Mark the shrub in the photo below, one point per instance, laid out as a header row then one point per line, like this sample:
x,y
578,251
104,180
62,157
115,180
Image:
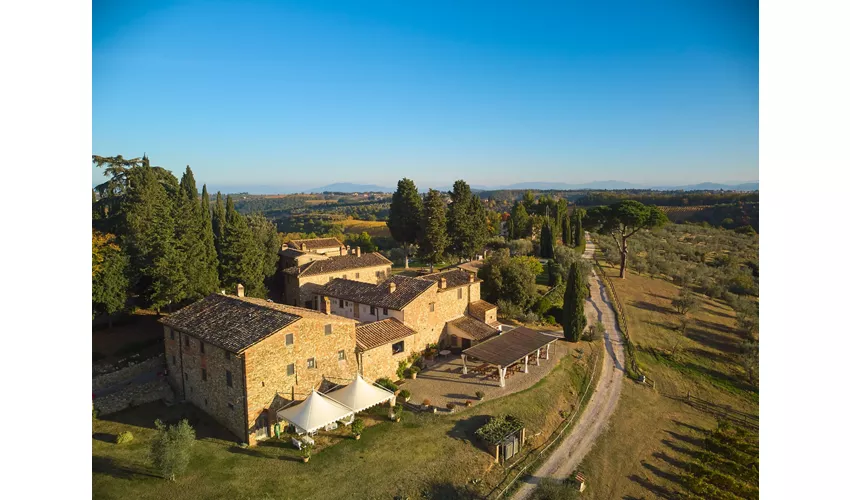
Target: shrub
x,y
171,448
307,449
549,319
402,366
450,406
124,437
468,403
498,427
387,384
507,309
479,394
405,394
529,317
426,402
357,426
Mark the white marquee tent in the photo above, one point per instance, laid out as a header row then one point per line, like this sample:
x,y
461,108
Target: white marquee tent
x,y
360,395
314,413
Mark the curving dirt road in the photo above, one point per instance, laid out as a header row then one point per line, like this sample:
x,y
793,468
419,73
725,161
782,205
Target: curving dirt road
x,y
566,457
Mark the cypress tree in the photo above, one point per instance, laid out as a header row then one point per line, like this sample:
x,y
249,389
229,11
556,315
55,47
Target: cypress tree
x,y
578,236
405,215
461,227
200,272
478,227
241,257
219,226
267,241
574,319
210,277
109,279
522,223
434,238
566,233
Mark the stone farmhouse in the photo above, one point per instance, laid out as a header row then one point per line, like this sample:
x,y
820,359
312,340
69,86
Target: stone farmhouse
x,y
318,261
403,315
240,359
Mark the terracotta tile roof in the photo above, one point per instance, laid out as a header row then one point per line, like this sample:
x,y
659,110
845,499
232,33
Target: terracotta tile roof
x,y
372,335
379,295
510,347
316,243
479,307
229,322
340,263
298,311
477,330
290,252
454,278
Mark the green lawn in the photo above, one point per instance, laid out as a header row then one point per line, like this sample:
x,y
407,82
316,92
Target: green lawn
x,y
653,433
424,455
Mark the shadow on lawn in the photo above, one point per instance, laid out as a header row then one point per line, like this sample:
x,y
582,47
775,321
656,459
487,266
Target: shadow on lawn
x,y
713,340
103,436
648,306
465,430
658,490
673,478
448,491
714,356
108,466
145,415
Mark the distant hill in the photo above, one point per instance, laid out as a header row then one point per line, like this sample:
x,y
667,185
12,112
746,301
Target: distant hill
x,y
705,186
347,187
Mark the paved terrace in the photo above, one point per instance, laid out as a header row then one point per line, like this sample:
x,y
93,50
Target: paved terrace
x,y
444,382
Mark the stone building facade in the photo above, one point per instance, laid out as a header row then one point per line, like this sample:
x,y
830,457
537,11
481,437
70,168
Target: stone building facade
x,y
381,345
240,359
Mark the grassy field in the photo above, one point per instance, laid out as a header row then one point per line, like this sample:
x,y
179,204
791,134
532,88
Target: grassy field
x,y
654,432
424,456
373,227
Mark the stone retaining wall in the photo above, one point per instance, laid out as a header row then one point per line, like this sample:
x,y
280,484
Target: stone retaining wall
x,y
109,379
134,395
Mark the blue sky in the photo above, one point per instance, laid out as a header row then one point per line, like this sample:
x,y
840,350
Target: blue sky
x,y
294,95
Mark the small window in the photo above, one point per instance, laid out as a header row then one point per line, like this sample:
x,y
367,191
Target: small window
x,y
172,334
398,347
356,275
341,303
431,307
386,312
186,375
230,405
173,360
226,354
372,310
229,377
187,342
329,329
206,403
290,369
202,347
377,274
311,362
204,374
290,339
340,355
460,293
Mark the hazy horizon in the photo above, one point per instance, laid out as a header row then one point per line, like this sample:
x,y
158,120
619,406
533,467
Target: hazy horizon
x,y
299,96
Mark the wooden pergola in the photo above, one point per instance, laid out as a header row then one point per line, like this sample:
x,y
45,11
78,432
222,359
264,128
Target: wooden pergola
x,y
510,348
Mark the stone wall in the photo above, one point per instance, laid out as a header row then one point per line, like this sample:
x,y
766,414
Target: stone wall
x,y
109,379
293,283
266,363
134,395
381,362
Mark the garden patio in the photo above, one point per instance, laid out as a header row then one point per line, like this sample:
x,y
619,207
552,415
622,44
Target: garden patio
x,y
445,381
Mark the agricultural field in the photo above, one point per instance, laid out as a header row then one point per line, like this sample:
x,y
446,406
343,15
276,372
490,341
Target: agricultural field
x,y
375,228
699,379
392,460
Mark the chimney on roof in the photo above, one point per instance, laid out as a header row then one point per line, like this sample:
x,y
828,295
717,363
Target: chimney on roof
x,y
326,305
303,247
342,250
240,290
357,251
472,277
443,282
347,249
391,287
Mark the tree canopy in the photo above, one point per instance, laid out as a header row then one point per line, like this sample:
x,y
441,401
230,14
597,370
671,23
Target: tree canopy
x,y
405,215
622,220
434,239
574,320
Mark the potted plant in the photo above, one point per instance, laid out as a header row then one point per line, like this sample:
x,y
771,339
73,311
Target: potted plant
x,y
397,410
468,403
451,407
404,394
306,451
357,427
413,371
479,395
426,403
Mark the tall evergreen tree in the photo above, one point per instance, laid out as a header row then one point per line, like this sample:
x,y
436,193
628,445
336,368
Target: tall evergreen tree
x,y
434,239
522,223
200,272
566,232
574,319
528,200
241,257
405,215
578,237
466,221
267,240
156,265
562,214
219,227
479,231
208,241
